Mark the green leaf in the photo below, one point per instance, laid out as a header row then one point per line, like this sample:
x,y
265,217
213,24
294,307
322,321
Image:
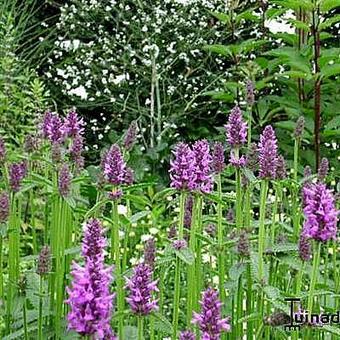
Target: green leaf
x,y
163,194
331,329
334,123
136,217
227,51
221,17
130,332
272,293
186,255
162,324
237,270
328,5
330,70
220,95
329,22
284,248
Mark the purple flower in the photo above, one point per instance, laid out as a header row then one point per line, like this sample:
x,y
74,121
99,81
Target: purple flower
x,y
64,180
210,321
305,251
2,150
31,143
115,194
56,152
267,153
73,125
17,171
218,161
179,244
237,162
323,169
89,296
300,125
187,335
203,162
252,157
172,232
188,211
4,206
230,217
183,168
150,252
141,287
52,128
243,245
210,229
250,93
130,136
320,213
281,171
44,261
236,128
114,166
76,150
129,176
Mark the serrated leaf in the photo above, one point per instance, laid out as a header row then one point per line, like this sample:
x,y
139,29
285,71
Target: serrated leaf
x,y
284,248
237,270
186,255
162,324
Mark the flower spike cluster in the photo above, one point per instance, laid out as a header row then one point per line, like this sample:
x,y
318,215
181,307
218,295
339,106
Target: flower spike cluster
x,y
210,321
268,153
114,167
89,297
218,161
73,125
141,287
236,128
17,172
320,213
4,206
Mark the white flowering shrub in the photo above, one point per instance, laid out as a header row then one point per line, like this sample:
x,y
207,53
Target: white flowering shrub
x,y
138,59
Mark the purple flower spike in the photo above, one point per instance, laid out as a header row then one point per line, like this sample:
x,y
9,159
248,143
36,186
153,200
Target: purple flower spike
x,y
129,176
218,163
187,335
141,287
2,150
182,168
89,297
305,251
320,213
189,202
64,180
236,128
267,153
203,166
237,162
300,125
114,167
76,152
73,125
210,321
281,171
179,244
130,136
323,169
17,171
4,206
250,93
150,252
53,128
46,124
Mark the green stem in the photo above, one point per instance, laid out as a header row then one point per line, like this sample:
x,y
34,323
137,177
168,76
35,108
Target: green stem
x,y
315,270
140,327
40,319
262,228
221,261
177,289
24,314
115,254
249,109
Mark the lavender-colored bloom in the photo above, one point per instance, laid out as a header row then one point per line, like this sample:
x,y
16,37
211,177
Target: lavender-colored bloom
x,y
237,162
64,180
230,215
130,136
203,162
150,252
179,244
252,157
4,206
188,211
56,153
277,319
187,335
267,153
236,128
129,176
305,251
76,150
210,321
183,168
243,245
114,166
172,232
31,144
53,128
17,171
115,194
307,172
323,169
250,92
300,125
141,287
218,161
281,171
2,150
44,261
73,125
89,297
320,213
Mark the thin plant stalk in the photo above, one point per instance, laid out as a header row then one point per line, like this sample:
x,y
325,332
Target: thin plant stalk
x,y
262,227
177,289
24,315
140,327
221,260
40,317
